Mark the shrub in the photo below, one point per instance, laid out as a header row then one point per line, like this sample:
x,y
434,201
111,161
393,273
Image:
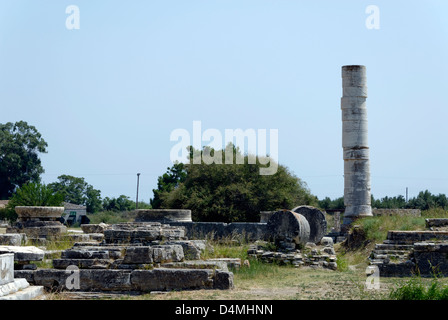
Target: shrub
x,y
31,194
416,289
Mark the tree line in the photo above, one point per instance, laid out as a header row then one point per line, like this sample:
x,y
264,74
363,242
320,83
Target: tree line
x,y
228,193
424,200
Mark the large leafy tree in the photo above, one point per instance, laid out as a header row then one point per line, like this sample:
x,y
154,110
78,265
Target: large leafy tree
x,y
78,191
167,182
229,192
20,145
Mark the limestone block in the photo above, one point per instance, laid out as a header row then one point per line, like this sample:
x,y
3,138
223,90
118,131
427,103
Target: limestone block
x,y
163,279
84,254
89,279
6,268
223,280
163,215
82,263
24,253
11,239
192,248
94,228
167,253
137,255
29,212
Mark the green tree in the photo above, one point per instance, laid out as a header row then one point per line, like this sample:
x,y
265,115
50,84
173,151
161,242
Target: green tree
x,y
230,192
169,181
20,145
328,204
122,203
77,191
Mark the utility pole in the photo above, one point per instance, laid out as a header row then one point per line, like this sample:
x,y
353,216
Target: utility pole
x,y
136,200
406,194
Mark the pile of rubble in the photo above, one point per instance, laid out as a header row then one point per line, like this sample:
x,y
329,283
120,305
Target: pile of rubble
x,y
321,255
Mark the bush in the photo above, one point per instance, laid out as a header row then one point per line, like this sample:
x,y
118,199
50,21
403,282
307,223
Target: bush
x,y
416,289
31,194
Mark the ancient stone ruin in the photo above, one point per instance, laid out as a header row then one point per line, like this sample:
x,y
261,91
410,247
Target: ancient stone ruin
x,y
12,288
355,145
135,257
407,253
39,222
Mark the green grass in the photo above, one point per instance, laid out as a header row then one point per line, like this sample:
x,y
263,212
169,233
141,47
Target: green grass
x,y
417,288
112,217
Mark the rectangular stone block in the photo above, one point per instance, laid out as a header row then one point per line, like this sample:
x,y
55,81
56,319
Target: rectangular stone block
x,y
11,239
84,254
138,255
28,253
89,280
167,253
162,279
6,268
81,263
223,280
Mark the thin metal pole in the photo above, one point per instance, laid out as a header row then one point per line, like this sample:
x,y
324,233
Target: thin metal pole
x,y
136,200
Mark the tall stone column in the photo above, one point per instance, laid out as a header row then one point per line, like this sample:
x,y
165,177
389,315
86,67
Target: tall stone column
x,y
354,143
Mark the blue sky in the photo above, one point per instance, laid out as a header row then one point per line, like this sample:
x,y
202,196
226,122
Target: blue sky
x,y
106,97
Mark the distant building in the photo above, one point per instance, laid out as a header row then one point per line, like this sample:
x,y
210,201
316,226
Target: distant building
x,y
75,213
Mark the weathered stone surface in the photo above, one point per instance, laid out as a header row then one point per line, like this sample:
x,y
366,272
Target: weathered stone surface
x,y
28,275
288,226
163,279
326,241
234,263
223,280
404,237
163,215
197,264
11,239
92,263
24,253
98,237
95,228
142,233
29,212
138,255
28,293
89,279
167,253
354,142
316,219
85,254
12,287
249,231
192,248
435,223
6,268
